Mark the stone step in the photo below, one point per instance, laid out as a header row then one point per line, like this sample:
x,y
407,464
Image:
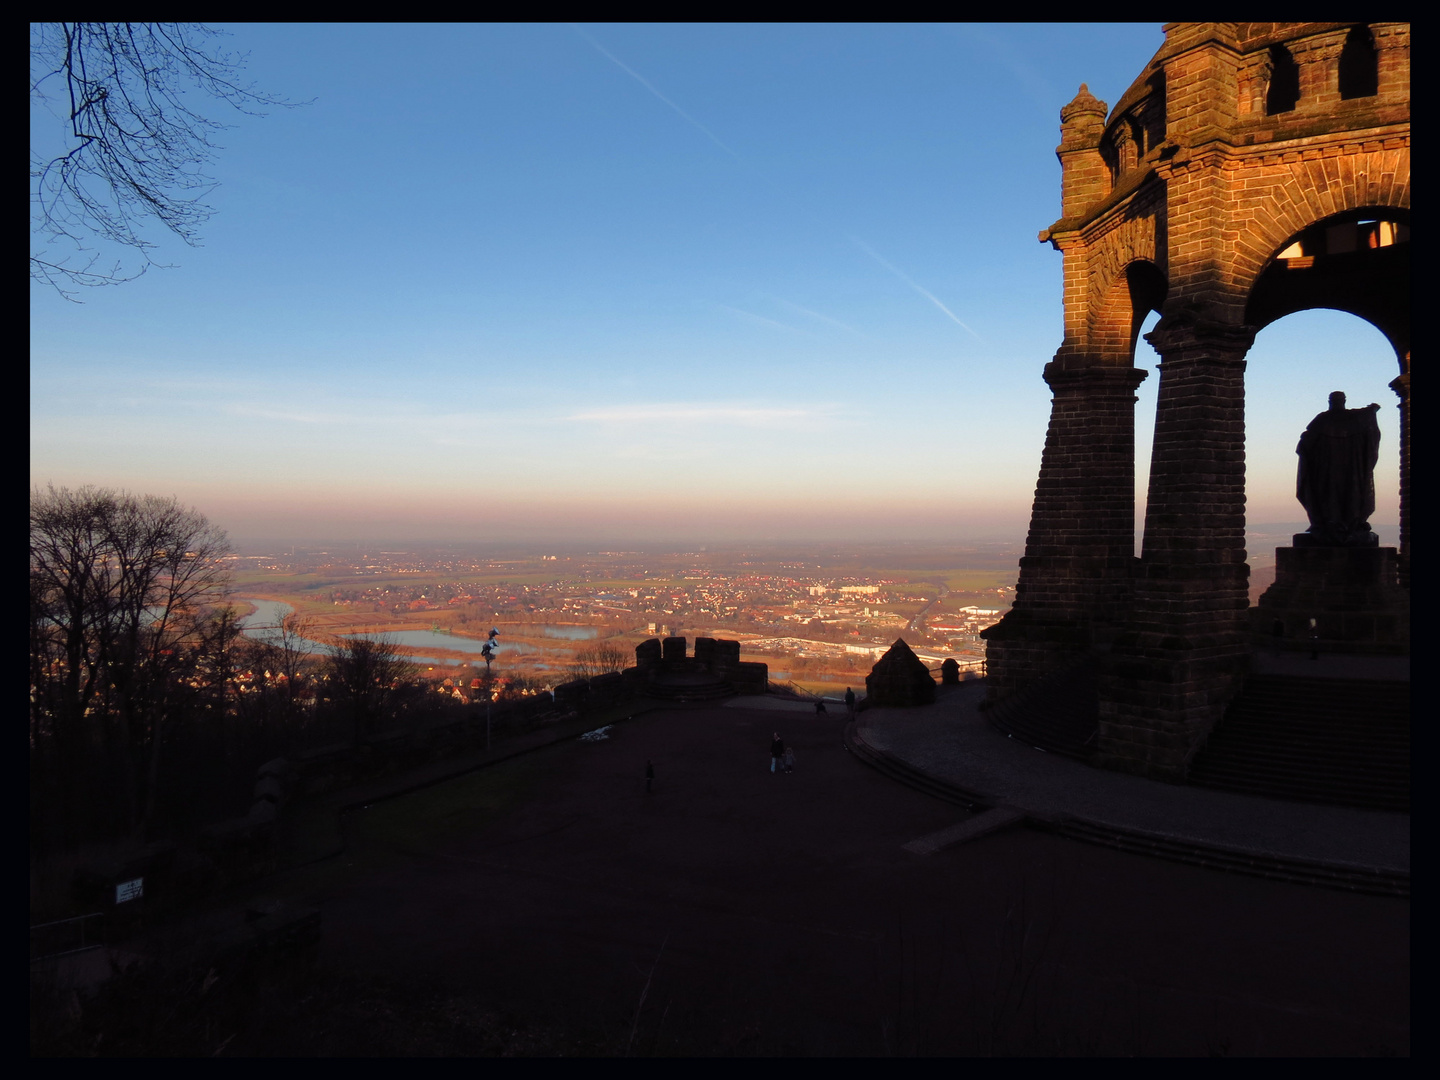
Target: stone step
x,y
1388,785
1309,744
982,824
1279,759
904,774
1357,879
1336,741
1275,867
1368,798
1359,779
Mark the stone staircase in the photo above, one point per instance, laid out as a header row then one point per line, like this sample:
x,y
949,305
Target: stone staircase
x,y
905,774
1276,867
1345,742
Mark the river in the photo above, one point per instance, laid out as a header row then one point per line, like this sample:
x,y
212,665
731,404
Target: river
x,y
268,614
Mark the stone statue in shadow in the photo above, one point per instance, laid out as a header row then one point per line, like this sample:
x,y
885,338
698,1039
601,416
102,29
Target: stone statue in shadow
x,y
1336,477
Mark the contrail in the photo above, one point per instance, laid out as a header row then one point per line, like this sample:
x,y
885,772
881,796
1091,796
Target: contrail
x,y
1004,54
815,314
908,281
645,83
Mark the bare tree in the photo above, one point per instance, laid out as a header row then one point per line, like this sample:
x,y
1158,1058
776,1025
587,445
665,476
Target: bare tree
x,y
133,148
368,680
600,658
119,588
286,651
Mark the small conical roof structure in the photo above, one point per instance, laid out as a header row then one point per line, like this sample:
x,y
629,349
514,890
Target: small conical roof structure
x,y
899,678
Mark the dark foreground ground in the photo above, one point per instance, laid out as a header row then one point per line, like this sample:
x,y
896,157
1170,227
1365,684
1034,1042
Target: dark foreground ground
x,y
549,906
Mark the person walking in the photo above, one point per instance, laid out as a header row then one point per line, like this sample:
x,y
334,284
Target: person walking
x,y
777,751
789,759
850,702
649,775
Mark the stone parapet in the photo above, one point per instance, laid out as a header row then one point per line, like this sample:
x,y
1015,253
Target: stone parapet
x,y
716,661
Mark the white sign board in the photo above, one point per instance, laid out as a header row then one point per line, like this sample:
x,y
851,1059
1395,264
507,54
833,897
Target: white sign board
x,y
130,890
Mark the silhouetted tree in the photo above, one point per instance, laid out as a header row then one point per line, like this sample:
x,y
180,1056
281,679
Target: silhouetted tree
x,y
133,147
369,681
284,661
119,587
600,658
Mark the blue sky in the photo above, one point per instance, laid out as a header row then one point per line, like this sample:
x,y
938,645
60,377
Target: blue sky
x,y
622,282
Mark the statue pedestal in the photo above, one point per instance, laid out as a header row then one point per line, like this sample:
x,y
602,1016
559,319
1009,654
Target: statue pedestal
x,y
1352,593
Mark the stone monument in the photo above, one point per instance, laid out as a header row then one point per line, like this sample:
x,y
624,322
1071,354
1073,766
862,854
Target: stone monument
x,y
1336,589
1335,481
1247,173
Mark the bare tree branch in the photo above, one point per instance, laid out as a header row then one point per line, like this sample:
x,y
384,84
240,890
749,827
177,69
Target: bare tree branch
x,y
134,147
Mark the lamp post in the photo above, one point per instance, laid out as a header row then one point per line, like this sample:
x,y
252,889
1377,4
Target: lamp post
x,y
488,652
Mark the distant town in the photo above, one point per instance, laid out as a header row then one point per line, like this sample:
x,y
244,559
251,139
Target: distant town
x,y
820,620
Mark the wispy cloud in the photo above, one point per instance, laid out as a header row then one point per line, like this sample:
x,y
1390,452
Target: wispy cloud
x,y
649,86
913,284
298,417
735,415
758,318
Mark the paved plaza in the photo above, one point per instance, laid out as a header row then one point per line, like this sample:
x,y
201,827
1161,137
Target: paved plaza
x,y
952,741
736,911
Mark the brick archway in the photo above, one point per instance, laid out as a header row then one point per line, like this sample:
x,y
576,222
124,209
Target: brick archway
x,y
1369,277
1190,182
1297,196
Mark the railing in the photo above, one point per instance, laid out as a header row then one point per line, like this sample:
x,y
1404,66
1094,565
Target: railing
x,y
964,666
72,935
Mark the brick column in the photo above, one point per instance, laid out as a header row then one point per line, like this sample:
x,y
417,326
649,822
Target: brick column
x,y
1174,666
1319,60
1401,386
1252,80
1392,47
1074,585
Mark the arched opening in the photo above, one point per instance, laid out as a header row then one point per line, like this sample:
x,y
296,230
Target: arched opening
x,y
1147,296
1284,91
1147,396
1358,261
1290,371
1359,65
